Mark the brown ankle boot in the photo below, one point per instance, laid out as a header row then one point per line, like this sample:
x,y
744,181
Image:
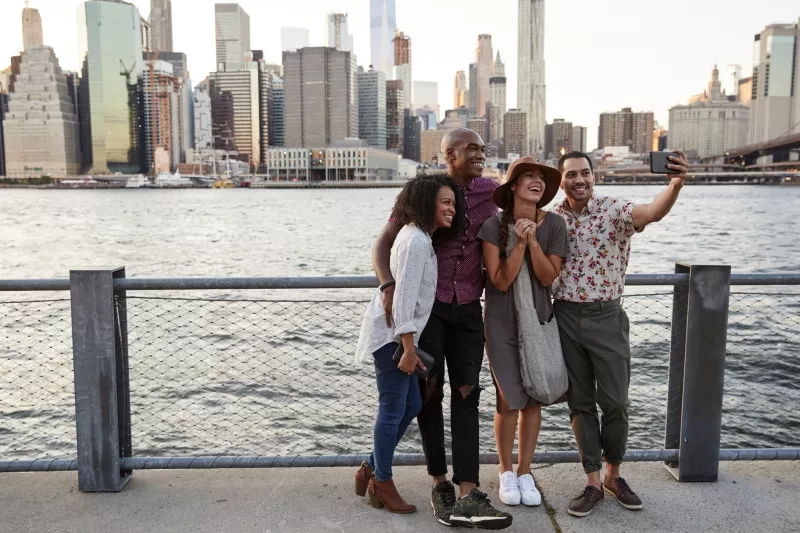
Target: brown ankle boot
x,y
362,479
384,494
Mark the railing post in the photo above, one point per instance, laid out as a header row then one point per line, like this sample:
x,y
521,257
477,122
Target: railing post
x,y
703,377
677,358
102,402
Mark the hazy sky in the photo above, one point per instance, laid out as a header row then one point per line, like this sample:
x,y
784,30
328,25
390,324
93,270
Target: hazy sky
x,y
600,55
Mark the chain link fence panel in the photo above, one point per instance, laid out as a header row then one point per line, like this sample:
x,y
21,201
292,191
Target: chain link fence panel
x,y
761,402
37,396
276,377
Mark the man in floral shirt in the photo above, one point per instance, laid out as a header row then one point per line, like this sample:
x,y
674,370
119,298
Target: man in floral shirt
x,y
594,327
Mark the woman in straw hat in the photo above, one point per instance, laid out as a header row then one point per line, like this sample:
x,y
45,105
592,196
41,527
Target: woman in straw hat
x,y
521,236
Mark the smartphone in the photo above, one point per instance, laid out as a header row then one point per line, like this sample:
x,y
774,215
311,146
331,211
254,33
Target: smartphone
x,y
659,162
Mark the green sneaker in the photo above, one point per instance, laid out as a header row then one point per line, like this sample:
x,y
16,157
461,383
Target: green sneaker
x,y
443,498
475,510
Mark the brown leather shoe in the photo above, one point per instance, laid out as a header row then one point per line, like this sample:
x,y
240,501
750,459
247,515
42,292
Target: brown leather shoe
x,y
384,494
620,489
363,476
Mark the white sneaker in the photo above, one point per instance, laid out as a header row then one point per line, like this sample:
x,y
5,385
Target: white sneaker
x,y
528,491
509,489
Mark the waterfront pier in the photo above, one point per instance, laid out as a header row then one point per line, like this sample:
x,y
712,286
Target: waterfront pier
x,y
131,386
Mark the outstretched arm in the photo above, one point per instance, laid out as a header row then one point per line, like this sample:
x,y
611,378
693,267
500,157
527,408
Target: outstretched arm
x,y
644,214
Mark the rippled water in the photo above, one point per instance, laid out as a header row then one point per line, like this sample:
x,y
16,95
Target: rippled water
x,y
241,232
210,375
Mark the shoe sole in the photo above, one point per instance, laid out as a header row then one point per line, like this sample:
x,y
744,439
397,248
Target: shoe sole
x,y
463,521
440,520
579,514
625,505
509,504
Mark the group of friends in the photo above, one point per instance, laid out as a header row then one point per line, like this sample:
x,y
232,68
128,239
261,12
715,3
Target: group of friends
x,y
449,238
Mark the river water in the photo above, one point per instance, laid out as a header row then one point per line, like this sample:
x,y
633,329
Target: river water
x,y
262,375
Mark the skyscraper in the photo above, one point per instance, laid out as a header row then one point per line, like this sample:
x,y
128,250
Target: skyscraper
x,y
497,97
395,121
266,109
731,85
337,34
402,66
531,89
41,128
460,90
382,26
579,138
372,107
321,97
472,95
775,100
203,132
480,126
233,33
484,59
180,70
293,39
626,128
235,110
111,49
277,125
161,97
557,138
31,27
515,133
160,20
412,129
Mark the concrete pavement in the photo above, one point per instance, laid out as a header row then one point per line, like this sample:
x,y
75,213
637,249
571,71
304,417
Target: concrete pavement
x,y
749,497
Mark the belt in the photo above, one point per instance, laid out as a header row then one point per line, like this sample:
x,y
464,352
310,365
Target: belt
x,y
589,306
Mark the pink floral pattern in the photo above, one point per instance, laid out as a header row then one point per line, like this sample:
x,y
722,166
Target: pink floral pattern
x,y
599,250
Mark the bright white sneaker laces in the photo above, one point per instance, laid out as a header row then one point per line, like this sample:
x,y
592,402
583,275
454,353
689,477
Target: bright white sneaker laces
x,y
509,489
527,488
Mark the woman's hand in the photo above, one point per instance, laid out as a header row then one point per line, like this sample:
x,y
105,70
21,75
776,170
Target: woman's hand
x,y
522,228
531,239
409,362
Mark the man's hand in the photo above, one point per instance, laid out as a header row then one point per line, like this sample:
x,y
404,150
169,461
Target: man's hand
x,y
388,300
409,362
681,164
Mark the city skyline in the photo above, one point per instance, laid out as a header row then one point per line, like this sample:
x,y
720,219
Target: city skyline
x,y
619,75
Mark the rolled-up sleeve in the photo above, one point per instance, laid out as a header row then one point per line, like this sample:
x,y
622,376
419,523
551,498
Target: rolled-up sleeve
x,y
412,256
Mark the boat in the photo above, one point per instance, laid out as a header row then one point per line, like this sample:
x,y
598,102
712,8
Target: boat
x,y
86,181
165,180
224,183
137,182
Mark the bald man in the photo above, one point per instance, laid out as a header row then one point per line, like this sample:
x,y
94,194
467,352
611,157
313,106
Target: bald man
x,y
454,335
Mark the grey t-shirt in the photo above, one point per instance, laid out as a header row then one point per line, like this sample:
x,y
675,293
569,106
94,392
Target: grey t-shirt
x,y
500,309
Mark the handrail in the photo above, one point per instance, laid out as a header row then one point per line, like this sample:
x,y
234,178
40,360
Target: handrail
x,y
340,282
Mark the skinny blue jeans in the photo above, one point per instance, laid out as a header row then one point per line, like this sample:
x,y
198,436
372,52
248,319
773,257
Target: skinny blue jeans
x,y
399,402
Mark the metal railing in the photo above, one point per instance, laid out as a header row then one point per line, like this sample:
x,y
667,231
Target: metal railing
x,y
157,379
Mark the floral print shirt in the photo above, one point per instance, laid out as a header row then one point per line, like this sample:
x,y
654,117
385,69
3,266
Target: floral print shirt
x,y
599,249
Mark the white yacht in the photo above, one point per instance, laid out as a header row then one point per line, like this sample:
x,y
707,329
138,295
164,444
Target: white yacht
x,y
137,182
165,180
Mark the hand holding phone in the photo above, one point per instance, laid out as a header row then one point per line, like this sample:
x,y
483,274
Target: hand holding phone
x,y
660,160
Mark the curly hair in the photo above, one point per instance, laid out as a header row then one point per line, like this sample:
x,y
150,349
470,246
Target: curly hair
x,y
416,204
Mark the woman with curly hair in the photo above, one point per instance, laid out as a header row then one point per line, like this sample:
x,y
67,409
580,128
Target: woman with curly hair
x,y
523,250
427,207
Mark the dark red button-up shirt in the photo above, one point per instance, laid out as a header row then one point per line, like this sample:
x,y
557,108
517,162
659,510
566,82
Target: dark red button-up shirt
x,y
460,260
